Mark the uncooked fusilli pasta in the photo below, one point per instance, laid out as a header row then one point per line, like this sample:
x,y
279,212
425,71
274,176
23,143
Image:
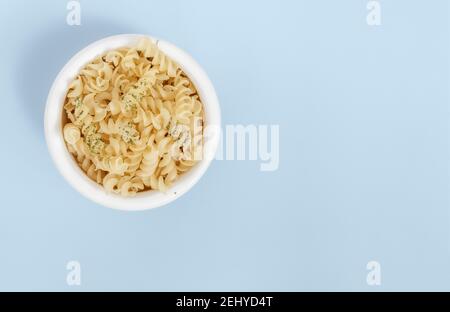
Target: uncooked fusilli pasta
x,y
133,120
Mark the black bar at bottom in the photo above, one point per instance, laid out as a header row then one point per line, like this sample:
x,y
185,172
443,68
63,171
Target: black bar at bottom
x,y
211,301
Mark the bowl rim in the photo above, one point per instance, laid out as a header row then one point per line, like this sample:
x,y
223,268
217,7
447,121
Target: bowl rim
x,y
68,167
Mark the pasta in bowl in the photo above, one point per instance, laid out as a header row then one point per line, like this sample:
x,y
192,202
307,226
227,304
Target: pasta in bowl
x,y
126,122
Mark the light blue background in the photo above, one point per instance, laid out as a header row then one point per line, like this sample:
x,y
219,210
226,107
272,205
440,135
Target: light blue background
x,y
364,159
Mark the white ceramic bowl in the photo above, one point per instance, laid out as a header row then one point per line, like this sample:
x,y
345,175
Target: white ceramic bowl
x,y
67,165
